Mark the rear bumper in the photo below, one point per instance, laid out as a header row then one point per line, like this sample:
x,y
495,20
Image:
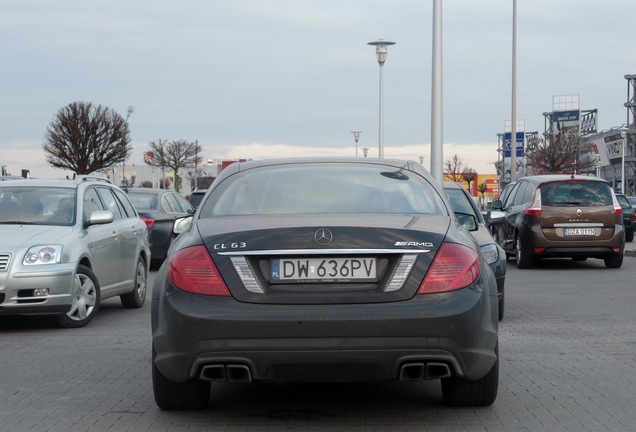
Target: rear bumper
x,y
193,335
583,247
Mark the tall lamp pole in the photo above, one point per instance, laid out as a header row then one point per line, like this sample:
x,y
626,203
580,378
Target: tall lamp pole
x,y
356,136
624,135
123,164
381,51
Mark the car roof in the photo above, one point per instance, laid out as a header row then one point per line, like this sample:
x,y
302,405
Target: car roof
x,y
64,183
545,178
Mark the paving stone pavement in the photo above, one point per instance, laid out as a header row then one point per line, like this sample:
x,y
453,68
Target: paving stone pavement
x,y
568,363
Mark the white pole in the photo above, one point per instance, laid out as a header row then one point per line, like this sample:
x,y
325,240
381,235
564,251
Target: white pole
x,y
381,132
513,126
623,164
437,150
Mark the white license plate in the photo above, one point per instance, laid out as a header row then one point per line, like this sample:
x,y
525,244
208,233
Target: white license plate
x,y
324,269
579,231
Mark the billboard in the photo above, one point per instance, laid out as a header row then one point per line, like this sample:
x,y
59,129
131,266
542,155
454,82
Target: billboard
x,y
566,122
520,142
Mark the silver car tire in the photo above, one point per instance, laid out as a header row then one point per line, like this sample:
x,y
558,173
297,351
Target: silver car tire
x,y
137,297
85,300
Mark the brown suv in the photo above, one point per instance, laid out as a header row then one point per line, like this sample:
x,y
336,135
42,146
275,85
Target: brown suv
x,y
561,216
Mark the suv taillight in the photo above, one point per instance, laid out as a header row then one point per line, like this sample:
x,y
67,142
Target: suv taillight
x,y
618,210
455,266
535,208
193,270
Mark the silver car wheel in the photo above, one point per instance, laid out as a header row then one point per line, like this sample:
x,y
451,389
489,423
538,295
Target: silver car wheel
x,y
84,298
141,280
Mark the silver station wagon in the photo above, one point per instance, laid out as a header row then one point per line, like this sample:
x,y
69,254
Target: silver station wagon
x,y
65,245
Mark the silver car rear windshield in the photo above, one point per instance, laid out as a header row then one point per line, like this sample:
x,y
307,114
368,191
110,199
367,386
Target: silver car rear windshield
x,y
313,189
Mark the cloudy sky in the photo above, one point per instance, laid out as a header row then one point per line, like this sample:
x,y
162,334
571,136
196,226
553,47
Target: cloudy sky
x,y
258,79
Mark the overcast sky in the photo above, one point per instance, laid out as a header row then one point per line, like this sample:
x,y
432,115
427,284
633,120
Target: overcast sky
x,y
258,79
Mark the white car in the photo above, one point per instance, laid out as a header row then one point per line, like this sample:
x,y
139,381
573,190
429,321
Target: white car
x,y
65,245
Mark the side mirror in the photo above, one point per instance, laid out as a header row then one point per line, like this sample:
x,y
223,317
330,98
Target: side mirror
x,y
466,220
100,217
181,225
495,216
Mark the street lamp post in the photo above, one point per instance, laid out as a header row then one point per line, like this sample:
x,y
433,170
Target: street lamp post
x,y
356,136
365,151
123,164
624,135
381,51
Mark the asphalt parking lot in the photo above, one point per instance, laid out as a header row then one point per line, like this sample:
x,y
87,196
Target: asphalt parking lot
x,y
568,349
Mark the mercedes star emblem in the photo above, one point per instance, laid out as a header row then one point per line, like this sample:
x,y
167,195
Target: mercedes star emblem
x,y
323,236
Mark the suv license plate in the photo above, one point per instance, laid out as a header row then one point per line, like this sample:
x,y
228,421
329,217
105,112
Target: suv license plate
x,y
579,232
353,269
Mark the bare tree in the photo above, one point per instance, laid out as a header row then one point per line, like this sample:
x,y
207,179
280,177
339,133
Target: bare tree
x,y
174,155
562,154
468,175
454,167
85,138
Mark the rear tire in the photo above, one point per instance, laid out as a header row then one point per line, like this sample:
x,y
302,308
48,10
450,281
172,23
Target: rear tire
x,y
169,395
523,258
136,298
458,391
614,261
629,236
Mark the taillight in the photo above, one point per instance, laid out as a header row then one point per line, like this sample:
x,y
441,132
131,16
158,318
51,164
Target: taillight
x,y
535,208
193,270
455,266
150,222
632,217
618,210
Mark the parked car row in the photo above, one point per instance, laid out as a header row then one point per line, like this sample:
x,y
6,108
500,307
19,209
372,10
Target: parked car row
x,y
69,244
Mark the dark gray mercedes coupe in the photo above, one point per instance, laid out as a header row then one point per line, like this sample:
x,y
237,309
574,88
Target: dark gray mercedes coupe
x,y
324,270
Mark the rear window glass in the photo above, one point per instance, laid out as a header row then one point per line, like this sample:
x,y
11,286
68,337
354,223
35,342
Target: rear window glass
x,y
576,193
624,202
143,201
459,201
323,188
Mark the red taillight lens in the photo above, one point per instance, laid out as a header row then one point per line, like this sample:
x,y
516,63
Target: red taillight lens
x,y
535,208
454,267
193,270
632,217
149,222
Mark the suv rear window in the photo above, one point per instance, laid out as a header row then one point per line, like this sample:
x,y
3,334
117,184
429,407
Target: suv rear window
x,y
576,193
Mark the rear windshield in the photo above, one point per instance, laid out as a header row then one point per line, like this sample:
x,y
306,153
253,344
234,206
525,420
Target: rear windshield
x,y
143,201
624,202
323,188
576,193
